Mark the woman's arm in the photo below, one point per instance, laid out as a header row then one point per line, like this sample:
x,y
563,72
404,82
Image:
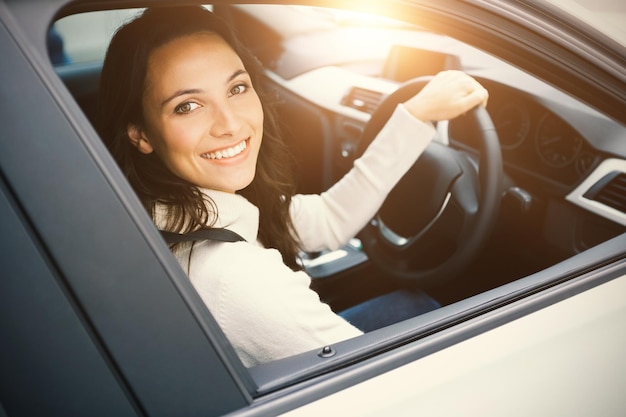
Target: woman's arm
x,y
329,220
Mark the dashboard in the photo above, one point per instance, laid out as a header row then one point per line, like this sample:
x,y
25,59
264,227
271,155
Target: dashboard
x,y
534,138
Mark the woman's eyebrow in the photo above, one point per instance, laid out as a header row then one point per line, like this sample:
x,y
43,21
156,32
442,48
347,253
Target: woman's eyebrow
x,y
237,74
181,93
197,90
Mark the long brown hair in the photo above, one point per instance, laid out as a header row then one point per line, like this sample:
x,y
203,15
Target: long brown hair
x,y
120,104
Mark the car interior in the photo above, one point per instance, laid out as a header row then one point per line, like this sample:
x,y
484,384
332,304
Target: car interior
x,y
554,181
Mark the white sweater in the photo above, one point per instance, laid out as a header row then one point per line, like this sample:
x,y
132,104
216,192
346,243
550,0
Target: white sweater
x,y
266,310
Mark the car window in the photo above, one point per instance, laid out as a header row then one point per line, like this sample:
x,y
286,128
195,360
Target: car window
x,y
350,87
84,37
607,17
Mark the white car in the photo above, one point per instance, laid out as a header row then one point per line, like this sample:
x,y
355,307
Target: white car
x,y
97,317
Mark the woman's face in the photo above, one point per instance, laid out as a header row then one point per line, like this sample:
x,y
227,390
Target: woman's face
x,y
202,116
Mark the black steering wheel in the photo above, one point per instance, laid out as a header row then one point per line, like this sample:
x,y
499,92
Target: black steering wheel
x,y
440,214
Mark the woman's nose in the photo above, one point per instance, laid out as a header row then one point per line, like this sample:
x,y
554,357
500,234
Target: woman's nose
x,y
225,121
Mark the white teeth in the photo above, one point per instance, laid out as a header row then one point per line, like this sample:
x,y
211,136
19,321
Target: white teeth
x,y
226,153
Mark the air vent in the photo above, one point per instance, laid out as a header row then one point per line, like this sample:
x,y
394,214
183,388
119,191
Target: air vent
x,y
610,191
363,100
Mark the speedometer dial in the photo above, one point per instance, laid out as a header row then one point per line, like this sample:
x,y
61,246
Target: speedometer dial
x,y
512,123
556,142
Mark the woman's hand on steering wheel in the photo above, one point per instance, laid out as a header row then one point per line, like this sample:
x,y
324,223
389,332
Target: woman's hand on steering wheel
x,y
439,216
447,95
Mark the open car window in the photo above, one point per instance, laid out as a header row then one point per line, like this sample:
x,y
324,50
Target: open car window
x,y
541,184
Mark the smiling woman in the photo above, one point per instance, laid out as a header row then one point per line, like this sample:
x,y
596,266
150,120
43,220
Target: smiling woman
x,y
153,120
202,152
197,88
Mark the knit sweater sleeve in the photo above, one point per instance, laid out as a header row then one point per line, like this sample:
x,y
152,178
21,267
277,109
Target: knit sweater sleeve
x,y
330,219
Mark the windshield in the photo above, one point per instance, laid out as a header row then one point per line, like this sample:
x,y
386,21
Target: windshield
x,y
606,16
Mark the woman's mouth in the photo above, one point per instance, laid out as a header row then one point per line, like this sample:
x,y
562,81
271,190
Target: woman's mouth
x,y
228,152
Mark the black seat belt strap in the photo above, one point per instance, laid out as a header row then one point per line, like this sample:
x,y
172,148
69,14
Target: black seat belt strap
x,y
217,234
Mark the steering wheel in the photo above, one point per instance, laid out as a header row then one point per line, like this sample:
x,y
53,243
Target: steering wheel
x,y
440,214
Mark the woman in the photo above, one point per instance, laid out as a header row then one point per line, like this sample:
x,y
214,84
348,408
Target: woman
x,y
183,114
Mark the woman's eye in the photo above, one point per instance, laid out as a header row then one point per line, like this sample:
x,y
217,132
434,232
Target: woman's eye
x,y
238,89
186,107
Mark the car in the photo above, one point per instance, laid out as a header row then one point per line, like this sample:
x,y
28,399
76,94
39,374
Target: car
x,y
527,255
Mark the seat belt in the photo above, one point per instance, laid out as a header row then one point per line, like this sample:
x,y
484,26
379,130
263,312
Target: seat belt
x,y
216,234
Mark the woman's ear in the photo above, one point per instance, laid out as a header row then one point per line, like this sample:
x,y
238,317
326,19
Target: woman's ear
x,y
138,139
